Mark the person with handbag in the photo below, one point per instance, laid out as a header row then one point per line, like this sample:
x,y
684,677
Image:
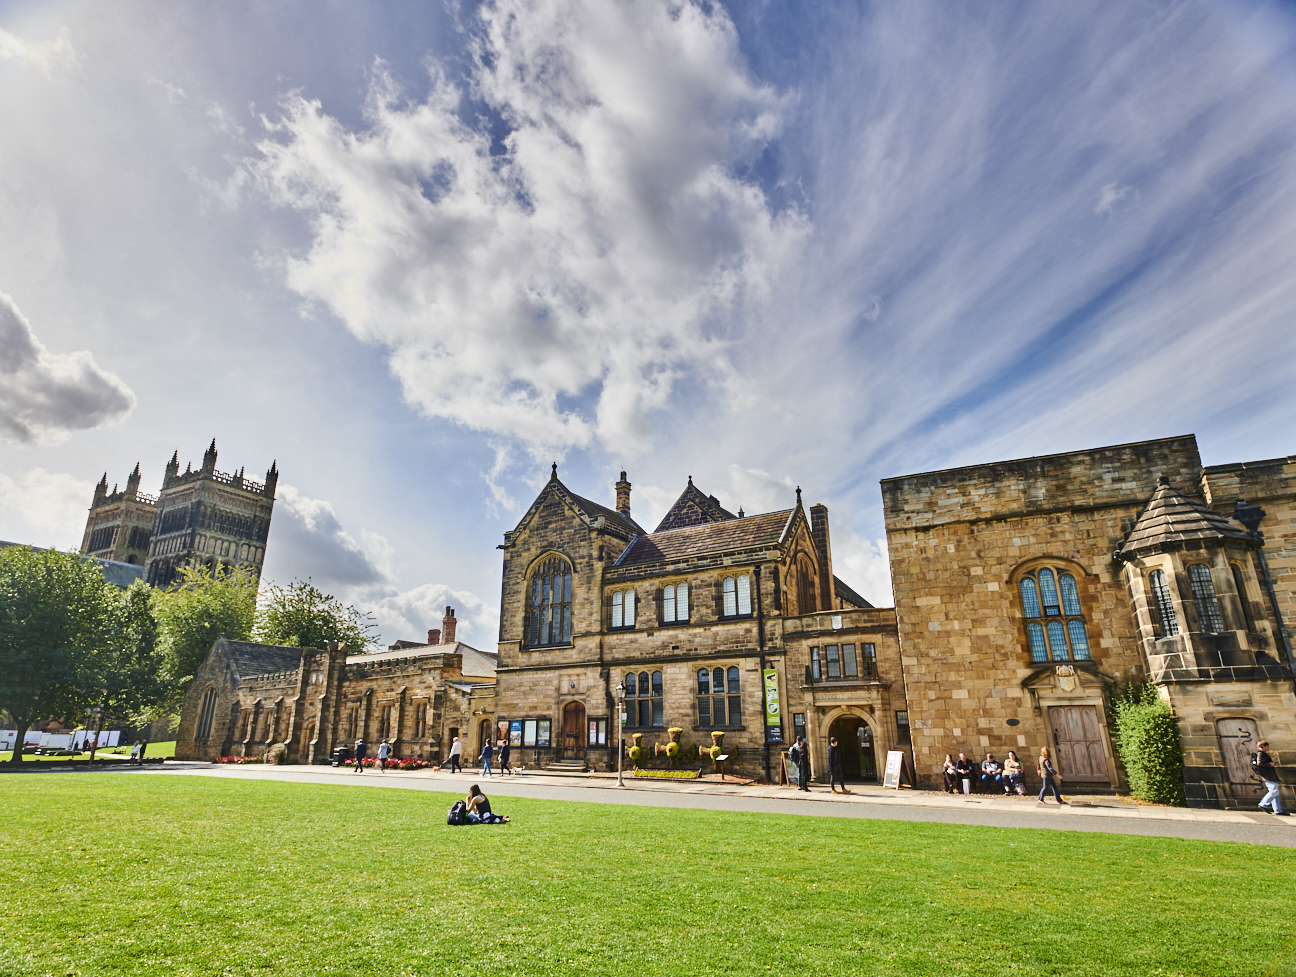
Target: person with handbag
x,y
1049,776
1263,765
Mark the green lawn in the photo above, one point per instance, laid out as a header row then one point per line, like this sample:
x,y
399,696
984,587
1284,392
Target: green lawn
x,y
116,874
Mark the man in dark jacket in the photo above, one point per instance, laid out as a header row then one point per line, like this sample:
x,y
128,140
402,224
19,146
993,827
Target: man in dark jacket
x,y
964,769
360,750
803,763
835,775
1263,765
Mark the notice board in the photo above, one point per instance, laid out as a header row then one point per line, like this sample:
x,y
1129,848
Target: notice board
x,y
894,766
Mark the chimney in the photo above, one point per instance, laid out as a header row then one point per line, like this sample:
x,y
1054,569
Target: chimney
x,y
434,636
448,627
132,483
823,548
623,496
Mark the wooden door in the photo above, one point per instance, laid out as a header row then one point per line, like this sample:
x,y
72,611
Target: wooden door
x,y
573,731
1238,739
1078,738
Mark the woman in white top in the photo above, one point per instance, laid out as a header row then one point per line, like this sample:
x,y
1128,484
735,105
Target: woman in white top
x,y
456,751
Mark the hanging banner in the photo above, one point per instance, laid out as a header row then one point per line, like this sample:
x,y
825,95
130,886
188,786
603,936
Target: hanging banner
x,y
773,717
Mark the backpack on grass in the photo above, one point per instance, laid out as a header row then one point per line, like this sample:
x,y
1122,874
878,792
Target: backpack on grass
x,y
458,813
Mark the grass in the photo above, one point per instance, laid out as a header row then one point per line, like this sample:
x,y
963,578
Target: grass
x,y
116,874
163,748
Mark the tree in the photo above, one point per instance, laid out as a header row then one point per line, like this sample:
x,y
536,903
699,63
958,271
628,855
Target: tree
x,y
132,673
302,616
57,622
206,606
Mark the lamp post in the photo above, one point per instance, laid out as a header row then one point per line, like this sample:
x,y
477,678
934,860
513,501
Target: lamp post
x,y
620,700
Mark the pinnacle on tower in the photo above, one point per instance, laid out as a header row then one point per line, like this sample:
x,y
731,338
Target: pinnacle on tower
x,y
132,482
209,458
101,490
272,479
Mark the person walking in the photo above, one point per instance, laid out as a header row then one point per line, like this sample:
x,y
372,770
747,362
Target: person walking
x,y
135,753
1048,775
360,751
835,775
487,752
1263,765
384,751
456,754
143,747
505,750
803,763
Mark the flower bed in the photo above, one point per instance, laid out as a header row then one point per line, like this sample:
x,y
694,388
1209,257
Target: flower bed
x,y
667,774
239,759
394,763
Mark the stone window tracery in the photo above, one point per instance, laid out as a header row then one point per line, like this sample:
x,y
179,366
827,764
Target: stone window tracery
x,y
206,713
675,603
644,700
1203,591
1162,606
549,612
1055,623
719,698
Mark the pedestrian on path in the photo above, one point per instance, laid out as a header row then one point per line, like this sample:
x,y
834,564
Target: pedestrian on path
x,y
487,752
360,750
384,751
1048,775
456,753
803,763
505,750
135,753
835,775
1263,765
143,747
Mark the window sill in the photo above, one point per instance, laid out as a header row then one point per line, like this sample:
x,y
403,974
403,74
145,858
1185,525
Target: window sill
x,y
622,627
720,729
564,644
726,618
674,624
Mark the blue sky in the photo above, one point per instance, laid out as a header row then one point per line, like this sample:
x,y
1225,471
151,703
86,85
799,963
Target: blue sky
x,y
416,252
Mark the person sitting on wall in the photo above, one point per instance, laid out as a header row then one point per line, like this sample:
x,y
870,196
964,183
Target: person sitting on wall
x,y
964,769
950,772
479,811
991,774
1014,778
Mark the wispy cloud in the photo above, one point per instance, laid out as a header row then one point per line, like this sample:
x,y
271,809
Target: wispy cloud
x,y
42,54
53,504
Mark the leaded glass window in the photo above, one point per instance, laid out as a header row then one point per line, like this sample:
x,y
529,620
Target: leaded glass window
x,y
643,699
623,609
550,614
719,700
737,595
1162,605
675,603
1203,589
1055,623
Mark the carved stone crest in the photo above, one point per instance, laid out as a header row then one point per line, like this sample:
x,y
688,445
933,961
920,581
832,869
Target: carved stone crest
x,y
1066,678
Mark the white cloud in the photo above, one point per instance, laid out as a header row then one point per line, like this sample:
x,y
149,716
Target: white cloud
x,y
756,491
44,55
308,540
46,396
1112,194
410,615
863,564
556,293
50,502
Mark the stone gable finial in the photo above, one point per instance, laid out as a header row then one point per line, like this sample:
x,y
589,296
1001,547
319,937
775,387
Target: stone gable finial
x,y
798,495
553,475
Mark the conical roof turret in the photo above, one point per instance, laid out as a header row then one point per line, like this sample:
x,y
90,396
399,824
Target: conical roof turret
x,y
1171,520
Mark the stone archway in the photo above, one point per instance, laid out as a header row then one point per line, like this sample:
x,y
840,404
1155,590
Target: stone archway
x,y
858,743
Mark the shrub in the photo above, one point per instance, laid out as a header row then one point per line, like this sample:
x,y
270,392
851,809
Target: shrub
x,y
238,759
1147,739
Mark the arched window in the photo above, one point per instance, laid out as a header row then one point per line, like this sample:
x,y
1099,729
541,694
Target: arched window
x,y
806,601
1240,583
550,614
719,701
675,603
623,609
1162,606
737,595
1203,589
644,699
206,712
1055,624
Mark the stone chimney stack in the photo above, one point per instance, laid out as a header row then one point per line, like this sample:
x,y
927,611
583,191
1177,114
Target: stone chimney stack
x,y
448,627
823,547
434,636
623,496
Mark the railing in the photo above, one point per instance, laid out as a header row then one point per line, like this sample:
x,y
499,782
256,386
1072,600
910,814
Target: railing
x,y
238,482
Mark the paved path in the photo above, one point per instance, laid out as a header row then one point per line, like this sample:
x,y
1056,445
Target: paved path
x,y
1110,815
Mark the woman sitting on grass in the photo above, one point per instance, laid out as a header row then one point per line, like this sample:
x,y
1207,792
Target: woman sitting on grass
x,y
479,811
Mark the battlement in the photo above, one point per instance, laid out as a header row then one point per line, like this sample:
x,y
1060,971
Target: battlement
x,y
235,480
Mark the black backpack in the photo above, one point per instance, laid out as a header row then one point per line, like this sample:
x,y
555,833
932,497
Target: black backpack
x,y
458,813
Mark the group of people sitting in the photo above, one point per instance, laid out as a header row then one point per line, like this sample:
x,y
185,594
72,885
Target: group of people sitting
x,y
1005,777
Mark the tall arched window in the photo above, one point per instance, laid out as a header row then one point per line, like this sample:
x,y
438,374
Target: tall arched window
x,y
623,609
644,700
550,613
1055,623
737,595
1203,589
206,712
675,603
1162,605
1240,583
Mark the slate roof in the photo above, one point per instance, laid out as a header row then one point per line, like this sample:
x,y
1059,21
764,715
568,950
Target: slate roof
x,y
750,532
476,664
693,508
250,658
594,509
848,594
1173,520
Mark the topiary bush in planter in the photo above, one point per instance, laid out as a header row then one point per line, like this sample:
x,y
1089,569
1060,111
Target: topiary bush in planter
x,y
635,753
1147,740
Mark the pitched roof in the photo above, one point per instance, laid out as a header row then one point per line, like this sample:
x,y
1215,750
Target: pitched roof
x,y
848,594
708,539
250,658
478,664
1172,520
593,509
588,509
693,508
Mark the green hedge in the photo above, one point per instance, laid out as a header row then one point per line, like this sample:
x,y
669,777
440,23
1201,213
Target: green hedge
x,y
1147,739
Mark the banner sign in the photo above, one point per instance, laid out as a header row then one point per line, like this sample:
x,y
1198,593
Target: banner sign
x,y
773,717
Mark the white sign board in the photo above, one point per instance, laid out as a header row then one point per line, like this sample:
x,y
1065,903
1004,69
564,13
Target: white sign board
x,y
8,737
895,760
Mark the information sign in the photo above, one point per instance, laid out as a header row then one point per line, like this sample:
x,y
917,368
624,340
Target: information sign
x,y
894,765
515,732
773,715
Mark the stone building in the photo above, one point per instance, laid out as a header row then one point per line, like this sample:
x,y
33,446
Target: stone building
x,y
1026,591
199,517
703,622
247,698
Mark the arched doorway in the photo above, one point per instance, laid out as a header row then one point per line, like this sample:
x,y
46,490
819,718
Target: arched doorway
x,y
484,735
855,747
573,731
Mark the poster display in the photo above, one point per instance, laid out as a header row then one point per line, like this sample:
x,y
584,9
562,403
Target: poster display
x,y
895,761
8,737
773,715
529,732
515,733
542,733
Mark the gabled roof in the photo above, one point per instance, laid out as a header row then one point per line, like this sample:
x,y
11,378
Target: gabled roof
x,y
847,594
693,508
750,532
1172,520
476,663
250,658
588,510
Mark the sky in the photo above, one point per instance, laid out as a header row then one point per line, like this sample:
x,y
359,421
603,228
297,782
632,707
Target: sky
x,y
416,253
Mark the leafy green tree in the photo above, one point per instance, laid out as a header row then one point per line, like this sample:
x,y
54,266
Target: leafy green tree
x,y
302,616
1147,739
132,673
57,624
206,606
